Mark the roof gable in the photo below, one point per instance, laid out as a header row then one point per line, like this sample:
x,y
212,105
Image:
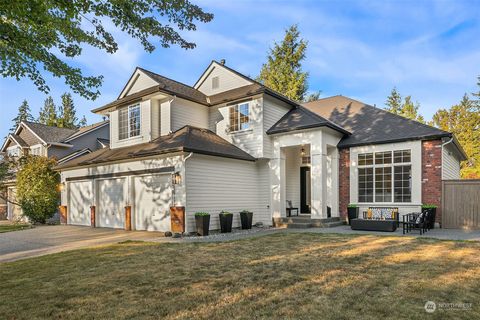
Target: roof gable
x,y
138,81
368,124
228,79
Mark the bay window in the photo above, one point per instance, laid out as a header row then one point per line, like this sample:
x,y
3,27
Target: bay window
x,y
385,176
239,117
129,122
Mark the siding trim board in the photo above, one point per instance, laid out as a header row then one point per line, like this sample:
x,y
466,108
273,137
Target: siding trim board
x,y
122,174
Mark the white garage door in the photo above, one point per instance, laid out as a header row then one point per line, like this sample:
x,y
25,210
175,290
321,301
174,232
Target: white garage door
x,y
80,199
152,202
111,203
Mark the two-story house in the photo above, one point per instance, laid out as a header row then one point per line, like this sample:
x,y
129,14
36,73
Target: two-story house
x,y
60,143
230,143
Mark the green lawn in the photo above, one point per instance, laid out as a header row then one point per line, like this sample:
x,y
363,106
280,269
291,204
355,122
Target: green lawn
x,y
13,227
282,276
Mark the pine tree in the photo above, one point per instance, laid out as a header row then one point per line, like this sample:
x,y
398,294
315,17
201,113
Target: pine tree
x,y
24,114
313,96
48,114
477,95
463,120
82,122
67,115
403,107
283,70
394,101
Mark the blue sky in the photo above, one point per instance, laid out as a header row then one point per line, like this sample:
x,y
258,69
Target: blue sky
x,y
361,49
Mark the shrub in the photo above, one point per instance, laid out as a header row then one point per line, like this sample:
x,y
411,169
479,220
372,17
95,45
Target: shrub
x,y
429,206
201,214
226,213
37,188
352,205
245,211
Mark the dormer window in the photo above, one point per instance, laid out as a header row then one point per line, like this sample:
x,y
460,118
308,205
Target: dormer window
x,y
239,117
215,83
129,122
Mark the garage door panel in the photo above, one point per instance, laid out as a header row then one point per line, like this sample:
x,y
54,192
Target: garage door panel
x,y
111,203
80,198
153,196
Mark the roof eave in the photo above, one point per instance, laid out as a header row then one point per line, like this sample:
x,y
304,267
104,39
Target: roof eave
x,y
367,143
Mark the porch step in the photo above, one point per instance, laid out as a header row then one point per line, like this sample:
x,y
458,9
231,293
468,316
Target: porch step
x,y
306,222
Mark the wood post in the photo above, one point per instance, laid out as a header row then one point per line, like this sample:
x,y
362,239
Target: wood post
x,y
63,214
128,218
177,219
92,216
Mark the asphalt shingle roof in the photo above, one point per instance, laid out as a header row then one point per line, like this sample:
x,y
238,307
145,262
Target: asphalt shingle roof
x,y
49,134
369,124
301,118
186,139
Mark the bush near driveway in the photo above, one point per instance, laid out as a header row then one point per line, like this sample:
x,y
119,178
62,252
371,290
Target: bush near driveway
x,y
280,276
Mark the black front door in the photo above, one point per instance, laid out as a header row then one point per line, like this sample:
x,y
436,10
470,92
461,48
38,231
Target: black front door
x,y
305,189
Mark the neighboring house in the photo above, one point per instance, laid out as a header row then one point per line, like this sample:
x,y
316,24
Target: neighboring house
x,y
230,143
53,142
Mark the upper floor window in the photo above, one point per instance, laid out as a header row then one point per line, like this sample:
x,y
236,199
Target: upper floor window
x,y
380,179
239,117
215,82
129,122
36,151
13,152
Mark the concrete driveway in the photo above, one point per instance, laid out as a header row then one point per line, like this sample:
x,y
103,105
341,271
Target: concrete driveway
x,y
43,240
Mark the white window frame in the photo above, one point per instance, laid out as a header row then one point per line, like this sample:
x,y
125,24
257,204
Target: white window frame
x,y
36,147
392,174
129,135
15,150
238,105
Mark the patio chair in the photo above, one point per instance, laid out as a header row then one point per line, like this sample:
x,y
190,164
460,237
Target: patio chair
x,y
290,208
415,221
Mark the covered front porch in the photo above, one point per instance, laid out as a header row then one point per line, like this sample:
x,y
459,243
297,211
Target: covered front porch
x,y
304,176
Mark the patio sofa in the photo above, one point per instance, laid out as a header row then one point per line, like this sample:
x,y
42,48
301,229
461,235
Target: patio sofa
x,y
377,219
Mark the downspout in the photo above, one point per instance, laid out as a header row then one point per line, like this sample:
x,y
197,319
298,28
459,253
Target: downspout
x,y
443,145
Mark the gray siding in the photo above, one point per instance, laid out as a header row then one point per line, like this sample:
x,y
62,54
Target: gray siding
x,y
450,164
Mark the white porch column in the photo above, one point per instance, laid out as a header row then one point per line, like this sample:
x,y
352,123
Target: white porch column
x,y
335,178
277,180
319,179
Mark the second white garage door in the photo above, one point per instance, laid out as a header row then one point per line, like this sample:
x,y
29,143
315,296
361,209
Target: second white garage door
x,y
153,195
80,198
111,203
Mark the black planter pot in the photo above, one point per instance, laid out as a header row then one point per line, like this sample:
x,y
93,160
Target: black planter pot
x,y
203,224
246,219
225,222
352,214
432,212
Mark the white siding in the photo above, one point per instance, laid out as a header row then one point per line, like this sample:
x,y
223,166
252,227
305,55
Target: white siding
x,y
138,82
145,128
250,140
184,112
227,80
450,164
293,162
215,184
273,110
155,118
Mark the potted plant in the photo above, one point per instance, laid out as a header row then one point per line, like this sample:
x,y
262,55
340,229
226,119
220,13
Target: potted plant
x,y
226,219
352,210
246,218
202,222
432,210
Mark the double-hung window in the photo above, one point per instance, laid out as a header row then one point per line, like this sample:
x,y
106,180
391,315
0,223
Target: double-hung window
x,y
385,176
129,122
239,117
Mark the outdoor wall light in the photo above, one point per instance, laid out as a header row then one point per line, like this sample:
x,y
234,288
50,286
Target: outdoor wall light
x,y
176,178
61,186
302,152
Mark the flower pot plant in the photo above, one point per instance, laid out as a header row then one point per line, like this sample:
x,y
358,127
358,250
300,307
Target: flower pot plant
x,y
226,219
432,209
246,218
202,222
352,210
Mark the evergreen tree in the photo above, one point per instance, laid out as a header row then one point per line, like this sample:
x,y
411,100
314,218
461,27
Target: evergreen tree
x,y
83,122
394,101
403,107
283,70
313,96
463,120
48,114
24,114
477,95
67,115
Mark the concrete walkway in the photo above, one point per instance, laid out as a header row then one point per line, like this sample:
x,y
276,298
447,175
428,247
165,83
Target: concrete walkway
x,y
44,240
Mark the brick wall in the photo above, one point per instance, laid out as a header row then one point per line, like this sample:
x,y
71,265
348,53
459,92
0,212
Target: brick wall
x,y
344,182
432,174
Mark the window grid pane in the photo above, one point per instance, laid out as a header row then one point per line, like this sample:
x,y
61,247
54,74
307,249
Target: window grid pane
x,y
244,119
365,159
365,184
401,156
402,185
123,123
134,116
383,184
383,157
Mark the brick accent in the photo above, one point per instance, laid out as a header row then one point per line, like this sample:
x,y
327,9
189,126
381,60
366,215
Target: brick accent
x,y
62,210
344,182
432,174
3,212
